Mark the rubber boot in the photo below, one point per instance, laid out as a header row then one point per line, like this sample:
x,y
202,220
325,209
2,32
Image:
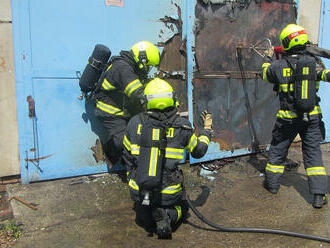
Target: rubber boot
x,y
319,200
270,189
163,222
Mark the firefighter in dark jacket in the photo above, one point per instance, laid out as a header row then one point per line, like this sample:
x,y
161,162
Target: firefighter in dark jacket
x,y
296,77
121,94
154,144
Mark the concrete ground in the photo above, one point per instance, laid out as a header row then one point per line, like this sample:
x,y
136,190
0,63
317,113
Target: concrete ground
x,y
97,211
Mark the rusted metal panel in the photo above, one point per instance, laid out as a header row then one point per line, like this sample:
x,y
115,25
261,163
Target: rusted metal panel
x,y
218,84
173,62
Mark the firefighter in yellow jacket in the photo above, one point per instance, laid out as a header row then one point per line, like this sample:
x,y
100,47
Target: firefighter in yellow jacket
x,y
296,79
154,144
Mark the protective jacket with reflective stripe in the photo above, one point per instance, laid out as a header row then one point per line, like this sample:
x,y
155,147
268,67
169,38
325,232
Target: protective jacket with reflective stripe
x,y
180,138
121,89
279,73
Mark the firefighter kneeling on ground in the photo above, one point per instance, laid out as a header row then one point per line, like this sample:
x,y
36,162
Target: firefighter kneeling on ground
x,y
296,79
154,144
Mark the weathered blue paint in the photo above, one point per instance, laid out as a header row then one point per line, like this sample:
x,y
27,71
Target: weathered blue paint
x,y
52,42
324,42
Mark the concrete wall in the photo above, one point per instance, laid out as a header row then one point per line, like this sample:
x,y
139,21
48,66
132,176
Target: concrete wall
x,y
9,162
309,17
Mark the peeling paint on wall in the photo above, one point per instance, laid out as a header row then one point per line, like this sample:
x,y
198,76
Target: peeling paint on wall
x,y
219,29
173,58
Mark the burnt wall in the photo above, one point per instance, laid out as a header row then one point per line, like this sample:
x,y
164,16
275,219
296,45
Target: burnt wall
x,y
218,81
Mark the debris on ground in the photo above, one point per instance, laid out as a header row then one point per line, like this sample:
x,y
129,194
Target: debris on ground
x,y
9,233
30,205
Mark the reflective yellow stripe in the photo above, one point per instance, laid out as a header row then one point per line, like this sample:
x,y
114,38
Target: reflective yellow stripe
x,y
170,132
316,111
126,143
174,153
291,87
109,67
135,149
107,86
192,143
305,70
290,114
179,212
264,70
287,72
133,184
109,109
304,89
155,134
204,139
275,168
283,87
317,85
286,114
316,171
324,75
153,161
132,86
139,129
172,189
286,87
154,154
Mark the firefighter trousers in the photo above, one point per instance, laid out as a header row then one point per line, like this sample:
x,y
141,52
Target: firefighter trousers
x,y
112,140
311,133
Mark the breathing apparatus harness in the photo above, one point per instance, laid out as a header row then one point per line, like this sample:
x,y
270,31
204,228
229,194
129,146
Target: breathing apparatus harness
x,y
150,163
303,79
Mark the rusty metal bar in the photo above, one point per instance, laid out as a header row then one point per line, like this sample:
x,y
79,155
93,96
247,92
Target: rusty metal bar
x,y
227,74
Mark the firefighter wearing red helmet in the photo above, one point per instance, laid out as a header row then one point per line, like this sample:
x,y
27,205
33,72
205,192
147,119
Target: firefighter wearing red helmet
x,y
296,78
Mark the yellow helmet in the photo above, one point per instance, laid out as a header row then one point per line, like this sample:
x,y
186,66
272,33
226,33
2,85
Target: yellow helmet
x,y
145,53
292,36
159,94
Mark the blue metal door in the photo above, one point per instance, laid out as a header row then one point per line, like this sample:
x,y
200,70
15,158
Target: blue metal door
x,y
52,42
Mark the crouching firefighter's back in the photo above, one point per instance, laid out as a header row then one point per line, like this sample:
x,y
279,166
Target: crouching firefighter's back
x,y
154,144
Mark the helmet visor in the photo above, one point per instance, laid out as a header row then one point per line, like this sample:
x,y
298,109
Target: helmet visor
x,y
159,95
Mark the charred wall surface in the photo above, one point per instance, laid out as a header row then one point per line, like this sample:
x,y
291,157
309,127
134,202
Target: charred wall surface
x,y
218,80
173,59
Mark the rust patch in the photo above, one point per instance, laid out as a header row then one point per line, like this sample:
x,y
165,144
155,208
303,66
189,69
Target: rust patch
x,y
172,67
2,64
32,111
220,28
38,159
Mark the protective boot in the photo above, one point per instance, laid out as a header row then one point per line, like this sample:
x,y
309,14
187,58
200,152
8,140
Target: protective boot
x,y
270,189
319,200
163,222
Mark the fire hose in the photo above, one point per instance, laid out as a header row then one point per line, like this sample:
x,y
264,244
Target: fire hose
x,y
220,228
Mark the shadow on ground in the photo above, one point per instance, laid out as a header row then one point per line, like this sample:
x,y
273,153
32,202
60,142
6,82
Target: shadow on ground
x,y
97,211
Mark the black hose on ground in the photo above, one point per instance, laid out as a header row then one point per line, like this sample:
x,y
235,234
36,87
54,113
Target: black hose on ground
x,y
252,229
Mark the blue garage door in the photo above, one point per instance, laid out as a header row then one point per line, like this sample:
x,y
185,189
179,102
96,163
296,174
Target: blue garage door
x,y
52,42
